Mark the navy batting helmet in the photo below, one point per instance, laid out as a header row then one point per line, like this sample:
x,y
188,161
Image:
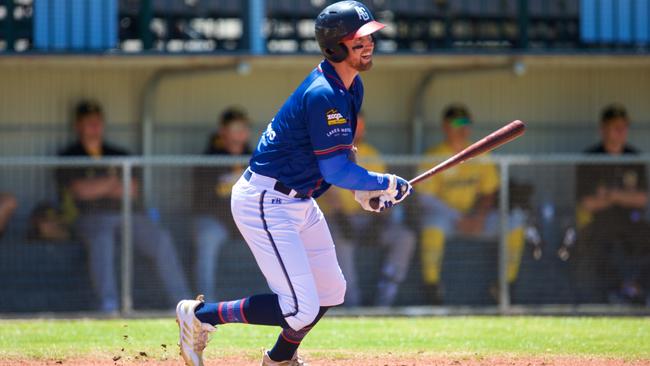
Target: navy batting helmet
x,y
343,21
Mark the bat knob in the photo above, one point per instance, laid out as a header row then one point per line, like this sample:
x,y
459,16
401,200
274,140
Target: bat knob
x,y
374,203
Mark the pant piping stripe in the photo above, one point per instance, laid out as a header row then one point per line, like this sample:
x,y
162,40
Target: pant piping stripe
x,y
277,255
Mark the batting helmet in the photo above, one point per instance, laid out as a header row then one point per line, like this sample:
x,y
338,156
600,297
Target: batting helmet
x,y
343,21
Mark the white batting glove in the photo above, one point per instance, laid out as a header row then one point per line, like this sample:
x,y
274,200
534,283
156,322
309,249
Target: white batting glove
x,y
398,189
364,197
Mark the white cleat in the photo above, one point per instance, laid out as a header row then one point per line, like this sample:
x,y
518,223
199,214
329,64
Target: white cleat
x,y
295,361
193,334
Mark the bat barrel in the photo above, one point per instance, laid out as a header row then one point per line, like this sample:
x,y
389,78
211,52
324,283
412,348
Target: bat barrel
x,y
497,138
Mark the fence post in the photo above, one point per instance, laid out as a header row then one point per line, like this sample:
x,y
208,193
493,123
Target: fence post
x,y
504,200
146,14
127,239
10,25
254,41
523,24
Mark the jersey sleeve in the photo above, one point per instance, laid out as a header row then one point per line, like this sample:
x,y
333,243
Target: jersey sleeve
x,y
329,130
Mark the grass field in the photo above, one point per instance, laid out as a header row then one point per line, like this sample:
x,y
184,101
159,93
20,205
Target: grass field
x,y
413,339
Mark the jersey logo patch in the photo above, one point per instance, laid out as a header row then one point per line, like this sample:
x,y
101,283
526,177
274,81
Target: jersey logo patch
x,y
334,118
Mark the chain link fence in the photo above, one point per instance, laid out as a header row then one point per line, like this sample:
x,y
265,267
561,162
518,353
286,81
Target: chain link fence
x,y
537,244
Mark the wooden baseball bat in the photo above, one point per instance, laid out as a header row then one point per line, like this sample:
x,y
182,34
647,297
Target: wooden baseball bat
x,y
497,138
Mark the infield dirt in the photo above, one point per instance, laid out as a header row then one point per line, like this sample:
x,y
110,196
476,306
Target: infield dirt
x,y
378,360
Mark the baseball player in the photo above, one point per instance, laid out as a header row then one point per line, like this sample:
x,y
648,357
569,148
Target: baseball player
x,y
305,148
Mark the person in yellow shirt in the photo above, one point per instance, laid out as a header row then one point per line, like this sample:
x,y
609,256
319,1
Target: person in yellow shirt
x,y
461,201
350,225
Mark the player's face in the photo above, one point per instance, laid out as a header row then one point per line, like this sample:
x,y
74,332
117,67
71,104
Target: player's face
x,y
614,132
360,53
457,134
90,127
235,136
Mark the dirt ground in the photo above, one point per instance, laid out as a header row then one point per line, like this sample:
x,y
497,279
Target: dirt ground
x,y
352,361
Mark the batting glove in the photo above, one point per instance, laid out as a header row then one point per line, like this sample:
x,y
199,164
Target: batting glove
x,y
364,198
398,188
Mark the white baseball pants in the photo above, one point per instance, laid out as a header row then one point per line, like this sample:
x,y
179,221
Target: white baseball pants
x,y
292,245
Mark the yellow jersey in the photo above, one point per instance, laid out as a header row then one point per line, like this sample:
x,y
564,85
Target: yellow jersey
x,y
460,186
367,157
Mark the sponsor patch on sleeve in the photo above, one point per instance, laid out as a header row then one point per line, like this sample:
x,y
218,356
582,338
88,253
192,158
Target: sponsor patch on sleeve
x,y
334,117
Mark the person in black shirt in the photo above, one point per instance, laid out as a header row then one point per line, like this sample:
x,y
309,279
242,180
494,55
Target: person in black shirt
x,y
613,247
92,197
212,222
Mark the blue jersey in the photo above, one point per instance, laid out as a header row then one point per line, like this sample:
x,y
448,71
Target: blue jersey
x,y
318,121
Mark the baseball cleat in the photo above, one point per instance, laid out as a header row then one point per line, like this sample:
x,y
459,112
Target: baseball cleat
x,y
193,334
294,361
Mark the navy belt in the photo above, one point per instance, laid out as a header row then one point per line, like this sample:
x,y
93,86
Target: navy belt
x,y
278,186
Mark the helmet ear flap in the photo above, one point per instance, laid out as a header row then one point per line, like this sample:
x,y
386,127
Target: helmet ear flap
x,y
337,53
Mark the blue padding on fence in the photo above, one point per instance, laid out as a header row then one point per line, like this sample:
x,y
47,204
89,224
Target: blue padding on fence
x,y
78,24
95,24
110,27
606,20
588,21
615,21
41,23
58,24
624,25
641,22
75,24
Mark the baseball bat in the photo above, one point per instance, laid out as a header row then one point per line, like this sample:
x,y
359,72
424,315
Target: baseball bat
x,y
490,142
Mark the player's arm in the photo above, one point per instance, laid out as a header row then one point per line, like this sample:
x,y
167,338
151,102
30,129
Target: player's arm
x,y
632,198
340,171
88,189
332,143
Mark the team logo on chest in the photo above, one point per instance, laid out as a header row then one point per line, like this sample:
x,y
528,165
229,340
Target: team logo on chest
x,y
334,117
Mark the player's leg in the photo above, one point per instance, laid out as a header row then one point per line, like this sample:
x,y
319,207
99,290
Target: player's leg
x,y
515,238
399,241
156,243
269,223
209,236
328,277
98,233
439,222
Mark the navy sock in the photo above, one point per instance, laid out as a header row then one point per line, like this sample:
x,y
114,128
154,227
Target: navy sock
x,y
289,339
258,309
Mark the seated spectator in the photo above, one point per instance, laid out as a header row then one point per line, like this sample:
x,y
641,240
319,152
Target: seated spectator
x,y
613,244
351,226
95,195
461,201
212,222
8,205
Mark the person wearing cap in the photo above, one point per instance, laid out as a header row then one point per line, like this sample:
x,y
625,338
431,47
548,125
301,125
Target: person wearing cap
x,y
612,251
212,223
306,148
91,198
460,201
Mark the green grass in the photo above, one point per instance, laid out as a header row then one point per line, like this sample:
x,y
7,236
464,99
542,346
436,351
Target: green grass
x,y
627,338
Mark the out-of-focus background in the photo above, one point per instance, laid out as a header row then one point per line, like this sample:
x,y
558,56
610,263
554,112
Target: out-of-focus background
x,y
540,226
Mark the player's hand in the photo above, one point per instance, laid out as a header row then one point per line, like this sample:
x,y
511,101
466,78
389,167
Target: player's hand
x,y
364,198
398,188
